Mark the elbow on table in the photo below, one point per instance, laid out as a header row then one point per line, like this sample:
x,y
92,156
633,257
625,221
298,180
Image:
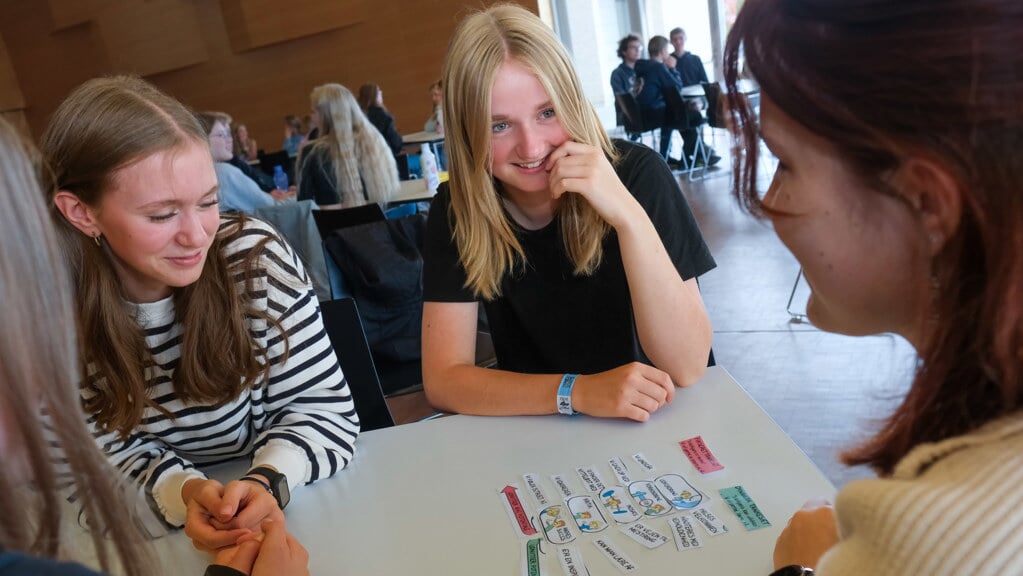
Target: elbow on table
x,y
689,375
436,392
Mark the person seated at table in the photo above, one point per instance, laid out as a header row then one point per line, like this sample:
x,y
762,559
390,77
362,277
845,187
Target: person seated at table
x,y
202,336
688,65
904,210
435,123
294,137
245,147
658,74
371,100
623,78
236,192
38,350
349,164
583,251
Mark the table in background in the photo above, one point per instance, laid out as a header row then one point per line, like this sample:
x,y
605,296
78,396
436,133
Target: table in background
x,y
423,498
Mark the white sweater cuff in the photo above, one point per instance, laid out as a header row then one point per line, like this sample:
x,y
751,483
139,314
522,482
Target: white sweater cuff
x,y
167,494
286,459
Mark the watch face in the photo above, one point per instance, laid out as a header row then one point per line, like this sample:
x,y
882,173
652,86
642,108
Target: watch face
x,y
282,491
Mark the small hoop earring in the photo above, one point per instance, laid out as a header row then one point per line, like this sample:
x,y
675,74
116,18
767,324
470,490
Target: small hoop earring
x,y
96,239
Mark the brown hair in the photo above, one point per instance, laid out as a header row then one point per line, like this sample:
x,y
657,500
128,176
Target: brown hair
x,y
39,372
656,45
487,246
883,80
208,118
623,44
368,94
102,126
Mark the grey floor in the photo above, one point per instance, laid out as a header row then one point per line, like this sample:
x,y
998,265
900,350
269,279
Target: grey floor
x,y
826,391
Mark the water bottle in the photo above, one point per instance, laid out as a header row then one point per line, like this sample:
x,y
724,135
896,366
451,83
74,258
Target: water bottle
x,y
280,179
429,162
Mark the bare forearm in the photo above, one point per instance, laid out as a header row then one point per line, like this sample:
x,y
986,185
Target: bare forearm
x,y
671,320
469,389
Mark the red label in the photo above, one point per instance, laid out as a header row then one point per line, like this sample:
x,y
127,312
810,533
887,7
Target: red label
x,y
698,453
520,514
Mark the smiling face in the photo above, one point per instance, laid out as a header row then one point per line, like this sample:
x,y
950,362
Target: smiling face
x,y
633,51
524,131
221,142
158,219
863,251
678,42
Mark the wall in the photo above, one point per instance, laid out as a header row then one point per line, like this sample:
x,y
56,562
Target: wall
x,y
255,59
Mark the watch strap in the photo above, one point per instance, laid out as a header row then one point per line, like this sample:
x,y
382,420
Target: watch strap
x,y
275,479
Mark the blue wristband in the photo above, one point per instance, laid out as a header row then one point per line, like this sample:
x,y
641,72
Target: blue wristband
x,y
565,394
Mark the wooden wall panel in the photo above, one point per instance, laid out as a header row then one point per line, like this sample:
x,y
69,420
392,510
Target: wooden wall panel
x,y
145,38
254,23
67,13
10,91
398,44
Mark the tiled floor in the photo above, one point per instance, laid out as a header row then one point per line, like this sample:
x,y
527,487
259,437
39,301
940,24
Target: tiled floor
x,y
826,391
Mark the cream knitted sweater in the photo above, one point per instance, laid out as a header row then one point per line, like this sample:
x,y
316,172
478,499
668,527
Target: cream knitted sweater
x,y
950,508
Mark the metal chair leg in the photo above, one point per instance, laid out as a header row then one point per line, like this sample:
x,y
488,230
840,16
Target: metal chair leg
x,y
797,317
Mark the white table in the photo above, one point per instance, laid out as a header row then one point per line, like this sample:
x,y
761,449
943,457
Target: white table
x,y
423,498
422,138
412,191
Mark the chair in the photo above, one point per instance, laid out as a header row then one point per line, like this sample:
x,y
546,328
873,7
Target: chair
x,y
328,221
344,328
267,162
678,117
632,118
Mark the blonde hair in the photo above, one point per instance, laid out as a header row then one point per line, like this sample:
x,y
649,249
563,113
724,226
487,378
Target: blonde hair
x,y
360,155
39,371
483,41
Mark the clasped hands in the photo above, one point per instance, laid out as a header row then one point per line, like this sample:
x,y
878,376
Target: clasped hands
x,y
242,523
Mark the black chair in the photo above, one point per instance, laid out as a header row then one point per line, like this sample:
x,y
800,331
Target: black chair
x,y
344,328
678,116
267,162
329,220
633,120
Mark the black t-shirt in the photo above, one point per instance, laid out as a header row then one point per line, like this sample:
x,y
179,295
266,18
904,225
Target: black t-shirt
x,y
550,321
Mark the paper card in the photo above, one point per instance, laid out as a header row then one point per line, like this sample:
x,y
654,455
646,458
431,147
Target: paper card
x,y
562,485
533,485
744,508
620,471
587,514
591,479
615,556
516,512
697,452
649,500
642,461
553,521
618,505
710,522
645,535
681,494
533,558
572,561
683,533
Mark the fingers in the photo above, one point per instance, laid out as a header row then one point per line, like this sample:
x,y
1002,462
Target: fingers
x,y
234,494
244,557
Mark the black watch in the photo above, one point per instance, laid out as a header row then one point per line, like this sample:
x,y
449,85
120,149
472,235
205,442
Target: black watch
x,y
278,484
793,570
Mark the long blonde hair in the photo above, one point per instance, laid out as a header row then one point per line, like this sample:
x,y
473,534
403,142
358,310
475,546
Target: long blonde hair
x,y
358,151
483,41
39,371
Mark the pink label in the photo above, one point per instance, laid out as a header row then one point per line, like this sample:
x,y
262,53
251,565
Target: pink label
x,y
700,455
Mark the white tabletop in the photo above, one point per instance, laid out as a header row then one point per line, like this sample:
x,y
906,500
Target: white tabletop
x,y
422,137
424,498
412,191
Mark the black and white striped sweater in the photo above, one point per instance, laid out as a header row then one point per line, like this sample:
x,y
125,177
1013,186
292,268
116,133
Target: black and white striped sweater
x,y
302,421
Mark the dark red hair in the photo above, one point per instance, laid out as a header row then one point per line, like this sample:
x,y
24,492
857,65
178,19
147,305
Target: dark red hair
x,y
883,80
